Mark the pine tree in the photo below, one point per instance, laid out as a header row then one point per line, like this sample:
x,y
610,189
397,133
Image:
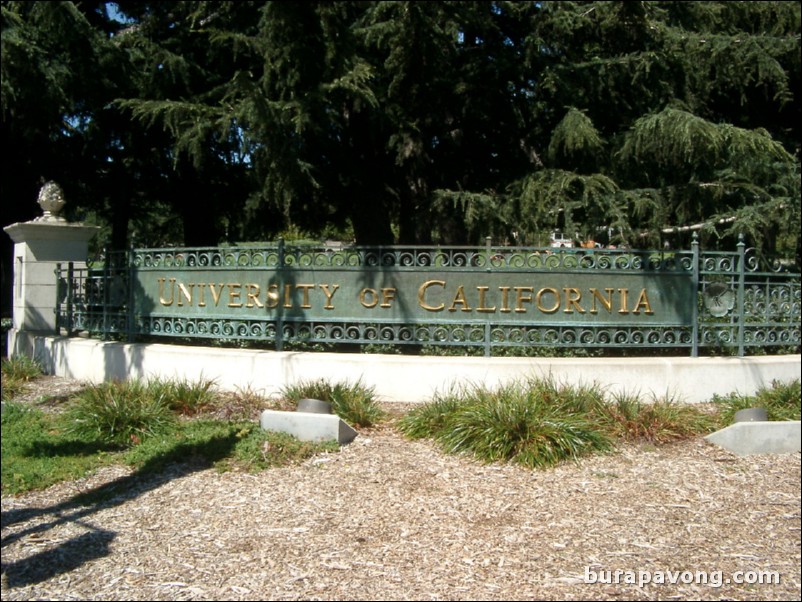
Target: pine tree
x,y
685,111
196,122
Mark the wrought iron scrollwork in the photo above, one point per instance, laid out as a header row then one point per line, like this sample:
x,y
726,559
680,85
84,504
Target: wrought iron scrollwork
x,y
745,300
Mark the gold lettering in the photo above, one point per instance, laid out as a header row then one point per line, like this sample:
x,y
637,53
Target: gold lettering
x,y
482,307
182,290
305,288
363,298
505,299
329,294
272,296
459,299
252,295
216,293
234,294
388,294
643,301
162,300
607,303
520,297
623,308
517,299
539,299
572,299
422,295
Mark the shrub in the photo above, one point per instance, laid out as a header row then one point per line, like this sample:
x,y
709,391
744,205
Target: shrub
x,y
16,372
781,401
520,422
245,403
353,402
185,397
119,412
627,417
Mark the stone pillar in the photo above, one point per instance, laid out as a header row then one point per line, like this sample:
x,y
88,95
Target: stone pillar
x,y
39,245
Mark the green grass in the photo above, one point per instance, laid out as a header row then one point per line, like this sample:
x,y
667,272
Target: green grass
x,y
781,401
539,422
355,403
37,450
260,450
535,422
17,371
138,425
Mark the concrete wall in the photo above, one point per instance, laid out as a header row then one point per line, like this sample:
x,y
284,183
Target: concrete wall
x,y
400,378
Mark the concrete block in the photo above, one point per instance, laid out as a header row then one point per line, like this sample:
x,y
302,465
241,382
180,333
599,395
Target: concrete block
x,y
748,438
308,426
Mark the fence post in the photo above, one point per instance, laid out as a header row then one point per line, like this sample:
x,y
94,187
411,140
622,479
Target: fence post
x,y
741,292
70,292
487,319
695,250
129,315
279,308
105,300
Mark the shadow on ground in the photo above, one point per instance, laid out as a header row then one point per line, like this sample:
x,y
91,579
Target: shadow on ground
x,y
95,543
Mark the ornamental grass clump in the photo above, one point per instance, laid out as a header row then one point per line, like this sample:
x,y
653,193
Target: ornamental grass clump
x,y
119,413
521,423
431,419
17,371
629,418
20,367
247,403
355,403
782,401
188,398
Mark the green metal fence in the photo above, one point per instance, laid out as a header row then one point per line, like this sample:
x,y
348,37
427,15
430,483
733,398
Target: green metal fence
x,y
489,298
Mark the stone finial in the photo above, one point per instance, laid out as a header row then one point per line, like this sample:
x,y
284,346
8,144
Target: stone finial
x,y
51,200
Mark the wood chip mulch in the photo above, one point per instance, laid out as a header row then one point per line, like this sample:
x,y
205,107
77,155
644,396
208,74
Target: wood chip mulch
x,y
391,519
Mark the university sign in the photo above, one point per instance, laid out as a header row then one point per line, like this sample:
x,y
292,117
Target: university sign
x,y
445,296
399,295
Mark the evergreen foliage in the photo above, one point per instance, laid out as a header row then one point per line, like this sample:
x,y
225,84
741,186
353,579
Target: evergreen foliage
x,y
353,402
410,122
